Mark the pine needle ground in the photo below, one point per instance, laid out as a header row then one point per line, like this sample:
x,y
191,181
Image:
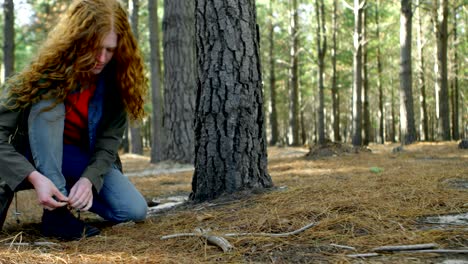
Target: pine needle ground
x,y
361,200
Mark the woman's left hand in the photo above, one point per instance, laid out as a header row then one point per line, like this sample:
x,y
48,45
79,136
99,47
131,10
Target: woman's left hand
x,y
81,195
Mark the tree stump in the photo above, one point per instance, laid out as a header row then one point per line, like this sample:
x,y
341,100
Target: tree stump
x,y
463,144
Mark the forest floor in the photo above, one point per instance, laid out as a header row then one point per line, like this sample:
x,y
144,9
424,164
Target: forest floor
x,y
356,200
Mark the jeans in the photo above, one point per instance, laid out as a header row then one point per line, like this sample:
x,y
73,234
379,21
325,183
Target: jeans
x,y
117,201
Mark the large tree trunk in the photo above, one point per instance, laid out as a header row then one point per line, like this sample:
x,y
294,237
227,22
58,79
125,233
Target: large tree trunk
x,y
334,88
357,75
294,92
156,85
424,127
272,81
441,31
321,51
407,126
381,137
9,38
179,79
230,147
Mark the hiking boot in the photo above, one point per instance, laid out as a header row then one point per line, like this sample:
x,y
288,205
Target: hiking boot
x,y
62,224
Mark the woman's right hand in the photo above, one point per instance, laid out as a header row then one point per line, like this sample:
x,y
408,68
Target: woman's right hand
x,y
46,191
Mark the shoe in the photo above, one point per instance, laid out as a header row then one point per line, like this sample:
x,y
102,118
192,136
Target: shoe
x,y
62,224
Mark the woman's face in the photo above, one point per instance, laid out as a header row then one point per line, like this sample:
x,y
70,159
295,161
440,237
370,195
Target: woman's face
x,y
105,52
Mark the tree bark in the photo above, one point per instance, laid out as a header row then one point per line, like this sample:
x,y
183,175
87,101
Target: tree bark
x,y
407,127
230,147
179,79
156,85
9,38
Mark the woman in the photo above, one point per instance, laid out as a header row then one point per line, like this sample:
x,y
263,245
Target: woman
x,y
66,114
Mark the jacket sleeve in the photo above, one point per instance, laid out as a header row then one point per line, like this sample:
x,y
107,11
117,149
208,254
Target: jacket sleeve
x,y
106,149
14,166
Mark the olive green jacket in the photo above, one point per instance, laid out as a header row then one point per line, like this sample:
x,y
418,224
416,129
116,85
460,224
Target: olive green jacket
x,y
14,167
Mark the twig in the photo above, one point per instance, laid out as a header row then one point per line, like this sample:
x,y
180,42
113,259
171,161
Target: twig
x,y
363,255
273,235
342,246
440,251
405,247
38,243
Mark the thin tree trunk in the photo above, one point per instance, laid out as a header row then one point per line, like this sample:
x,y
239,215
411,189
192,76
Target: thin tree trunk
x,y
156,85
441,69
294,104
365,83
230,148
424,129
407,126
379,77
9,38
455,89
274,113
334,89
179,79
357,75
321,51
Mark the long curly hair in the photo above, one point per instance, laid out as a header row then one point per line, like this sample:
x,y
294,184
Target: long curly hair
x,y
68,56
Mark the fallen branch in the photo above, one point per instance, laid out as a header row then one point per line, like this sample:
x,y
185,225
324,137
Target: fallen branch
x,y
243,234
405,247
221,242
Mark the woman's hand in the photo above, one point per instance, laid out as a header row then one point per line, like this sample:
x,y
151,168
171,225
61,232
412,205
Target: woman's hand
x,y
46,191
81,195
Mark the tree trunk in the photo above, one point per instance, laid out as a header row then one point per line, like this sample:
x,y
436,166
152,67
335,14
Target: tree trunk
x,y
230,147
156,85
321,51
9,38
294,93
407,127
273,106
179,79
455,89
381,132
357,75
334,88
365,83
136,141
424,128
441,69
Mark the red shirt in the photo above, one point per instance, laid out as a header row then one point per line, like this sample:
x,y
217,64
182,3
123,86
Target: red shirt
x,y
76,117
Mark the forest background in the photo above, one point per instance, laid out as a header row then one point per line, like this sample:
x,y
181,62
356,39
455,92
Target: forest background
x,y
309,56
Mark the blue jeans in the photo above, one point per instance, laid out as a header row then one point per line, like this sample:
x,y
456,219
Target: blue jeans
x,y
117,201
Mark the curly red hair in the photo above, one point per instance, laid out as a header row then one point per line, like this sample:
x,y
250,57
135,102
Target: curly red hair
x,y
68,56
